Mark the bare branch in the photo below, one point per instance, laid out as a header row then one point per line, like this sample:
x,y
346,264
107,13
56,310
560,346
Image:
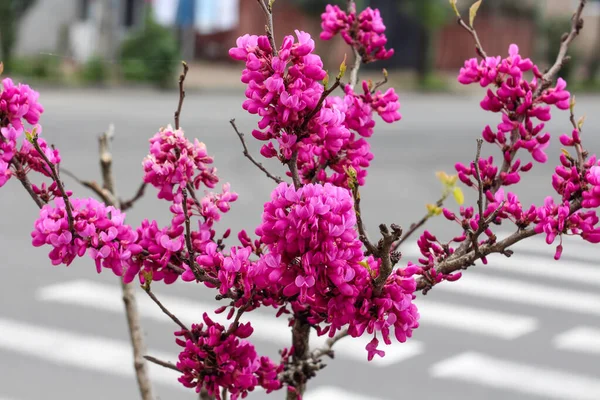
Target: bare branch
x,y
293,166
473,32
162,363
22,177
384,253
576,26
327,350
126,205
104,194
249,156
416,225
188,237
362,230
61,188
181,93
354,72
269,27
147,289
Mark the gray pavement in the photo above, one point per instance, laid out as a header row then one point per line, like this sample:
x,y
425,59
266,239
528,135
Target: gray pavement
x,y
526,329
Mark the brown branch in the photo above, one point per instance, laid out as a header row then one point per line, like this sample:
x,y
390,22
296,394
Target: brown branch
x,y
162,363
293,166
104,194
134,324
478,177
354,72
362,230
181,93
380,83
249,156
126,205
327,350
384,253
268,10
56,178
188,237
581,155
416,225
561,58
148,290
324,95
22,177
473,33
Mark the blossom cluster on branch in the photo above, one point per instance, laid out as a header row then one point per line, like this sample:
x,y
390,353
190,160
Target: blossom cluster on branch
x,y
310,258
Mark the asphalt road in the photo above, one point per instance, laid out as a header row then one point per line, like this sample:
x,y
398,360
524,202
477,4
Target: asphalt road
x,y
527,328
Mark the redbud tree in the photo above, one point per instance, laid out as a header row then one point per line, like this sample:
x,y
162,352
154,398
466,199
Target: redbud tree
x,y
310,260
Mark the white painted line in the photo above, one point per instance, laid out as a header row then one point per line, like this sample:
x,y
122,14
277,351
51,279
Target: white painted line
x,y
583,339
92,353
475,320
333,393
514,291
545,267
488,371
266,328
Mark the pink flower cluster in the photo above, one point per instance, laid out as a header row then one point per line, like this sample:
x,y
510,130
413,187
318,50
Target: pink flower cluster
x,y
315,263
519,102
214,358
365,32
96,227
17,103
350,150
174,162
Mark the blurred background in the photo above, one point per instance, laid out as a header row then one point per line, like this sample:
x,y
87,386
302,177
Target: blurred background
x,y
519,328
108,42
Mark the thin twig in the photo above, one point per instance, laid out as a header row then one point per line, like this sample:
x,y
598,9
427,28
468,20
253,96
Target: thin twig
x,y
416,225
134,324
473,33
293,166
381,82
324,95
576,26
478,177
104,194
22,177
56,178
328,348
148,290
162,363
354,72
126,205
188,237
269,27
362,230
249,156
181,93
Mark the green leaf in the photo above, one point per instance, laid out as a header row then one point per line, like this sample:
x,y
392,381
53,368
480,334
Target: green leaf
x,y
326,81
473,12
342,68
572,104
271,5
1,67
458,196
580,122
453,4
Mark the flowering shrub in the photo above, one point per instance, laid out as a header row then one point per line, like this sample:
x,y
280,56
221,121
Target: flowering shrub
x,y
311,258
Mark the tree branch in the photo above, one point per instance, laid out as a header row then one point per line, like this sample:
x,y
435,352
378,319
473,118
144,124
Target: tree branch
x,y
561,58
61,188
354,72
188,237
104,194
327,350
249,156
473,33
293,166
25,182
268,10
162,363
131,309
416,225
126,205
181,93
147,289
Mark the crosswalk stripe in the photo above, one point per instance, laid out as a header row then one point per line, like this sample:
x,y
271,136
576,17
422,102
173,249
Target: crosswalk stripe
x,y
490,323
330,393
514,291
266,328
582,339
481,369
99,354
545,267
